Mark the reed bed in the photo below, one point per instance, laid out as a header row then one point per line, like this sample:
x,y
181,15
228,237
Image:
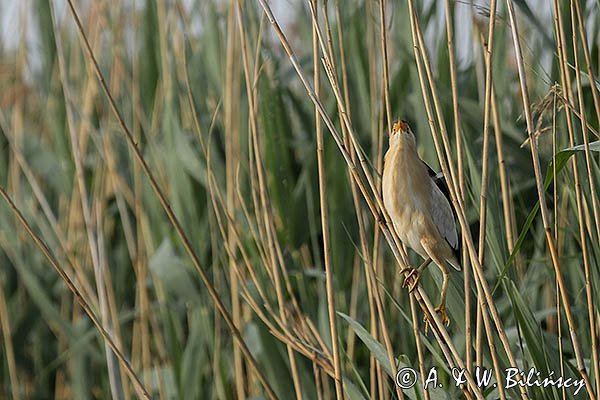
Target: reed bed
x,y
192,198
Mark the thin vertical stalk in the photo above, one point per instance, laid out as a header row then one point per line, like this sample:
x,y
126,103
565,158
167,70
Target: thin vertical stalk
x,y
556,224
44,205
269,226
461,179
168,210
375,202
507,202
232,143
586,262
419,345
566,83
447,169
352,309
375,372
487,48
339,391
542,199
140,265
377,379
85,203
385,84
384,64
330,67
139,387
18,115
376,137
590,71
8,346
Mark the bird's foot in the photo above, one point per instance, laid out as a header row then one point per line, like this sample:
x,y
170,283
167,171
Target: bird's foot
x,y
412,279
441,309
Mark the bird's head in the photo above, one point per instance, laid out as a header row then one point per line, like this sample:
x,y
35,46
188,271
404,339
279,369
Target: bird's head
x,y
401,134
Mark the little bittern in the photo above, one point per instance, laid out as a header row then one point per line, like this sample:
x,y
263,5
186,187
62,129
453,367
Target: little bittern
x,y
417,202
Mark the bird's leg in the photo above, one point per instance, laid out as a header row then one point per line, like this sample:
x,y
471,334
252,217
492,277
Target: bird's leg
x,y
441,309
441,263
412,279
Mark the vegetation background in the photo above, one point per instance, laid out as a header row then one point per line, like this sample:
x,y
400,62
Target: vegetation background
x,y
178,224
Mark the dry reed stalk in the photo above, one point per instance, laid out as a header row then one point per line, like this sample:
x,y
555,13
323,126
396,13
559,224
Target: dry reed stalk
x,y
566,82
274,251
352,309
415,322
507,201
331,69
448,168
18,115
337,368
78,146
384,62
376,377
286,335
487,45
219,203
236,242
540,191
15,388
387,113
140,264
318,385
167,208
231,106
121,379
461,181
556,224
378,133
117,185
446,344
304,345
590,71
139,387
586,263
105,180
567,104
74,269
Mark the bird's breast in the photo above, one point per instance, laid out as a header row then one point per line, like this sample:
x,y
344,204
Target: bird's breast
x,y
406,194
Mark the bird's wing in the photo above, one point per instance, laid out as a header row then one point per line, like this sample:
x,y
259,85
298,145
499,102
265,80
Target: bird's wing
x,y
442,213
438,178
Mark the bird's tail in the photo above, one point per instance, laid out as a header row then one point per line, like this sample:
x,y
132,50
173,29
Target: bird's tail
x,y
454,263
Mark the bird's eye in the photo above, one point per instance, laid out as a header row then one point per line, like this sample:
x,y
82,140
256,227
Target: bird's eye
x,y
403,126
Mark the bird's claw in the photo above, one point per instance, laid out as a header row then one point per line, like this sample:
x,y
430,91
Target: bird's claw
x,y
441,309
412,279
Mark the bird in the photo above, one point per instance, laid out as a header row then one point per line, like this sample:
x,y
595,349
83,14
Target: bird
x,y
417,202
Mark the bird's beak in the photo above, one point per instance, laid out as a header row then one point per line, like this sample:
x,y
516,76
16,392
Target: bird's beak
x,y
399,126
